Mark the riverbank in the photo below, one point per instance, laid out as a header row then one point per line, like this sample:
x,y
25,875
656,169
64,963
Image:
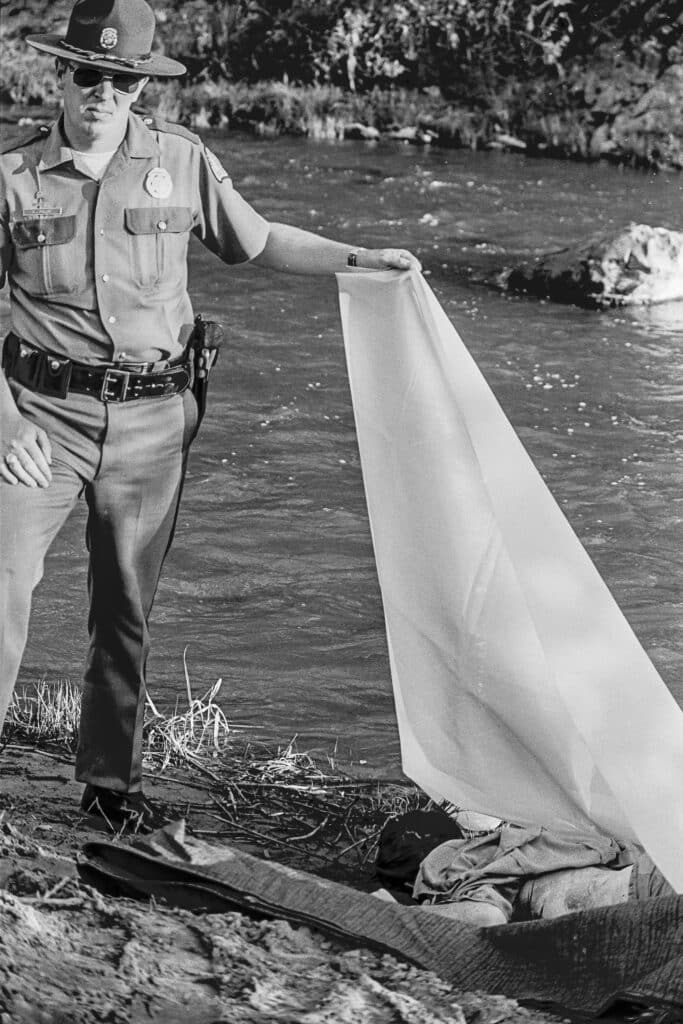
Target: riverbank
x,y
587,120
70,953
85,956
612,109
305,811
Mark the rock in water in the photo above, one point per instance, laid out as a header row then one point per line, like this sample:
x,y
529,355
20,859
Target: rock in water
x,y
637,266
361,131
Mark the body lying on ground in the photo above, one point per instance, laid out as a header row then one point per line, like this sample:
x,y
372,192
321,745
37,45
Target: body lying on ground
x,y
512,873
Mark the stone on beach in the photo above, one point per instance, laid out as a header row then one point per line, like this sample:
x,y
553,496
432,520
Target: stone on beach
x,y
636,266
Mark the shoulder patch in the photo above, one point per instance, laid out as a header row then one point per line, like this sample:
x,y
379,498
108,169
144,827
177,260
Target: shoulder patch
x,y
32,134
217,169
156,124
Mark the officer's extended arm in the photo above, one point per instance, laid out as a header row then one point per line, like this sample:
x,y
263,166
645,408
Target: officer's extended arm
x,y
301,252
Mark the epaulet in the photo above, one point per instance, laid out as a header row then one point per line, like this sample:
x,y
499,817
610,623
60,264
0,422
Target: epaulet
x,y
36,132
155,124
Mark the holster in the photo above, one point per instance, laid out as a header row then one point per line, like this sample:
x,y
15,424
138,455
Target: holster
x,y
204,345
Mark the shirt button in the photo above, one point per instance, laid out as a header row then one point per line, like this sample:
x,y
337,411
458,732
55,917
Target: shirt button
x,y
105,277
101,231
162,225
112,320
41,238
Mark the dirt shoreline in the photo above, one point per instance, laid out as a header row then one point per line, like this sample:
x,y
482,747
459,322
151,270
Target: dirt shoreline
x,y
68,953
71,955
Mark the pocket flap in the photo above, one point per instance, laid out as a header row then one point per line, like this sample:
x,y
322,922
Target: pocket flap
x,y
28,234
146,220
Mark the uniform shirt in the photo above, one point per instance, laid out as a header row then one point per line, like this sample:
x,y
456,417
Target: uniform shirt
x,y
98,269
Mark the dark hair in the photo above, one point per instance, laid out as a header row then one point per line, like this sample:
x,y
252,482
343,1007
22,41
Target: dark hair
x,y
405,842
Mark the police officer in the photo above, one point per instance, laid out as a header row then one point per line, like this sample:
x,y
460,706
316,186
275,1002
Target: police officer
x,y
95,399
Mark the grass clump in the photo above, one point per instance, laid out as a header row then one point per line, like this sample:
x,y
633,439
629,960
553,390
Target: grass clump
x,y
49,713
199,733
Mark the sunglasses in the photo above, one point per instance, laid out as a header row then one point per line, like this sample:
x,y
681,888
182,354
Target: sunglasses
x,y
88,78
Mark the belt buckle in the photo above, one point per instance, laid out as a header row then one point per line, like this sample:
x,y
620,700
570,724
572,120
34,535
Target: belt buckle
x,y
114,386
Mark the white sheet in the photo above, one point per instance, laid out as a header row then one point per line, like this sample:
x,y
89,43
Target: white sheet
x,y
520,689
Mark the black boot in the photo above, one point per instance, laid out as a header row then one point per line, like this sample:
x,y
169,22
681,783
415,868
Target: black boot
x,y
122,810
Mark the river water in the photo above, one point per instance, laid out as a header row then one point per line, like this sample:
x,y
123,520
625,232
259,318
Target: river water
x,y
271,583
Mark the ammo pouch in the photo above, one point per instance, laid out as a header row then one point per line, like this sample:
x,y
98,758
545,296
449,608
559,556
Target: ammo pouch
x,y
46,373
203,348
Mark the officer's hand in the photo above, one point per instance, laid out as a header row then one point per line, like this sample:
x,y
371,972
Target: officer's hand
x,y
26,454
387,259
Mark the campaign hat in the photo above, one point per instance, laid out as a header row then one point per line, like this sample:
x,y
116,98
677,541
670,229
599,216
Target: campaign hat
x,y
112,35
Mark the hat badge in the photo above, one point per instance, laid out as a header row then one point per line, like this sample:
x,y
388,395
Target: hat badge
x,y
109,38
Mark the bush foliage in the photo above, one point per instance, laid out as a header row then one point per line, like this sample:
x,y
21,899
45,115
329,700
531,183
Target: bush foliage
x,y
465,47
452,44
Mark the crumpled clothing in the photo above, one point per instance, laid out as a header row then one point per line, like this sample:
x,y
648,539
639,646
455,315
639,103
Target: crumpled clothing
x,y
494,867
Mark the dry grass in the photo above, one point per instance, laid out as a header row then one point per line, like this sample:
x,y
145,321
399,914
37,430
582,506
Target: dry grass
x,y
199,733
48,713
303,810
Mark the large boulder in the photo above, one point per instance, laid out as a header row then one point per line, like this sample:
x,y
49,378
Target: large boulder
x,y
636,266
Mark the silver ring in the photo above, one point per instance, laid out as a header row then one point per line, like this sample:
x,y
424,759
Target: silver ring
x,y
11,458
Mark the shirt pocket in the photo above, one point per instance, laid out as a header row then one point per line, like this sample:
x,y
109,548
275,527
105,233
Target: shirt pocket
x,y
157,240
45,253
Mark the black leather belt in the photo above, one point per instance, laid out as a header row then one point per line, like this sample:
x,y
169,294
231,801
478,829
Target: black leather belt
x,y
53,375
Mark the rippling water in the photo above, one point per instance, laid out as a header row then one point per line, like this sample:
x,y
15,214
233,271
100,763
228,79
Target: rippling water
x,y
271,583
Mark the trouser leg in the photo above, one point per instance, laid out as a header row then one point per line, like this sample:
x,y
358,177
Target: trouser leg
x,y
30,518
133,504
646,880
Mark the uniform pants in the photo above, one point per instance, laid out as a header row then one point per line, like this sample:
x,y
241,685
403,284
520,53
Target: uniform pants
x,y
128,461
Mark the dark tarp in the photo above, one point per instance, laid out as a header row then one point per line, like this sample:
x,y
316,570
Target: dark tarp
x,y
580,963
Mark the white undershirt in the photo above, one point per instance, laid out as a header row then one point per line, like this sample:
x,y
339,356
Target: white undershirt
x,y
96,163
